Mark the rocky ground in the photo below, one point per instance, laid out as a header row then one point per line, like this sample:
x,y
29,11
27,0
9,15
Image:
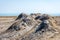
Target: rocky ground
x,y
24,27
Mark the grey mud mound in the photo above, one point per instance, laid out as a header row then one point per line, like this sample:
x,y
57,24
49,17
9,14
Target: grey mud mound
x,y
32,27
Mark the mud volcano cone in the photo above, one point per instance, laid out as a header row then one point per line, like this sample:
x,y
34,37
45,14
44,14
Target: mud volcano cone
x,y
31,27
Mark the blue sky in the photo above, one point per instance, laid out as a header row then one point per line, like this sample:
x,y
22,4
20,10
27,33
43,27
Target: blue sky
x,y
15,7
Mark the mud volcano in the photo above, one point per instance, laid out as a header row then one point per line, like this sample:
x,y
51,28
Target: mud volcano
x,y
31,27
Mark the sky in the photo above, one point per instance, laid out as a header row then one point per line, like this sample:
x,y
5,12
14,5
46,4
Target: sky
x,y
15,7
